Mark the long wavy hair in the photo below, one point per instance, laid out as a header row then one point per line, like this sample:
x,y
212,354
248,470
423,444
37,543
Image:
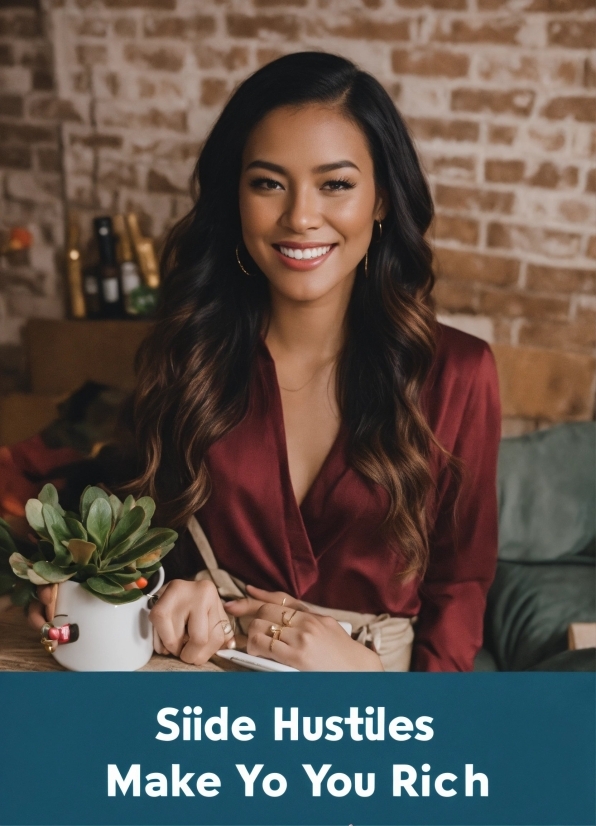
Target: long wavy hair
x,y
194,371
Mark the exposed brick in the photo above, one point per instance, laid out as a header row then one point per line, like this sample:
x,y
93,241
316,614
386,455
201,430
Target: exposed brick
x,y
573,34
533,239
509,67
522,305
213,91
165,58
264,4
25,133
42,80
581,108
554,6
591,181
455,297
158,5
92,27
430,63
577,336
231,59
501,134
456,197
156,182
575,212
591,247
91,54
15,157
6,55
11,105
244,25
20,24
507,172
265,56
589,73
125,27
48,159
494,31
516,102
550,176
452,167
428,129
560,279
456,228
177,27
51,108
443,5
362,28
97,141
471,266
547,139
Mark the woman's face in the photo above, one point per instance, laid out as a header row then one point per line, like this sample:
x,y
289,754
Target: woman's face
x,y
308,200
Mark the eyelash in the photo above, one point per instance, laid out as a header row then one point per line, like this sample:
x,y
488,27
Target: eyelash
x,y
343,184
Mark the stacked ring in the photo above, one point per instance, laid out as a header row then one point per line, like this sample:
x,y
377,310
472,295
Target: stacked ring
x,y
288,622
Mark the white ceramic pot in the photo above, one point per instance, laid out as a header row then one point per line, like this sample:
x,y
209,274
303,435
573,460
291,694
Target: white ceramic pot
x,y
111,637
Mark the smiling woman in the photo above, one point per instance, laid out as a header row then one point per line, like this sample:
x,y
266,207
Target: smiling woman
x,y
298,397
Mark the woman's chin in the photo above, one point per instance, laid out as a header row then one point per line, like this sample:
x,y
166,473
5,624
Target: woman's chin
x,y
308,287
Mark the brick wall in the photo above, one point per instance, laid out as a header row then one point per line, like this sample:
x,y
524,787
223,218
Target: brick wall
x,y
30,179
498,93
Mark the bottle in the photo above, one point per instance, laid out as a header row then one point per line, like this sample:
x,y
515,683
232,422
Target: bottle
x,y
109,275
74,273
91,291
130,280
144,251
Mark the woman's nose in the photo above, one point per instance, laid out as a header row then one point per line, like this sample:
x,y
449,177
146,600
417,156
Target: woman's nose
x,y
302,212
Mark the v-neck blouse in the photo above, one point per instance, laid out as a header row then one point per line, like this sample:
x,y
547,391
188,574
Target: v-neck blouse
x,y
331,550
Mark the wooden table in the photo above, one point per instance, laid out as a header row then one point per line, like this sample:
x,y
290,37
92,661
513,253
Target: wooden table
x,y
20,650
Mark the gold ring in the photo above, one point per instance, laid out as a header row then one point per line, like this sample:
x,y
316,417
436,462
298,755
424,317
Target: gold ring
x,y
272,630
276,634
227,627
271,644
285,623
283,602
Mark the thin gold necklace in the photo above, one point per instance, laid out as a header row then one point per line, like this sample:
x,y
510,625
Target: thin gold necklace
x,y
318,370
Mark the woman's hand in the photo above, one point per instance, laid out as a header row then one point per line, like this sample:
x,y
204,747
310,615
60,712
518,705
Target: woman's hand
x,y
308,641
41,610
189,621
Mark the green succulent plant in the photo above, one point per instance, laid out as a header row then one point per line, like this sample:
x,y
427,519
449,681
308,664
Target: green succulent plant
x,y
105,547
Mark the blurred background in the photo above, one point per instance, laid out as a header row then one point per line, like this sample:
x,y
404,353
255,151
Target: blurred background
x,y
104,104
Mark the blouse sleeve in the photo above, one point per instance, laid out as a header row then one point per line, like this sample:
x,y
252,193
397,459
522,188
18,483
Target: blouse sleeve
x,y
463,551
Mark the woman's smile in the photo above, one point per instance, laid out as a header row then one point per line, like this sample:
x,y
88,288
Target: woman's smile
x,y
303,256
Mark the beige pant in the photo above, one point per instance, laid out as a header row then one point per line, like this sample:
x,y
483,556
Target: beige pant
x,y
390,637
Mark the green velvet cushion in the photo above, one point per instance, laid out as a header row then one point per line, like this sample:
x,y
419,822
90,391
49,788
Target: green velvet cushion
x,y
547,493
530,607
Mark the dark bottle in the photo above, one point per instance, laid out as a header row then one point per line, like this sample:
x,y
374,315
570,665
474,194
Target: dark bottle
x,y
91,291
109,271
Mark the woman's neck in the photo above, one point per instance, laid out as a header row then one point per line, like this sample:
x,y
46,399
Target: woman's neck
x,y
313,332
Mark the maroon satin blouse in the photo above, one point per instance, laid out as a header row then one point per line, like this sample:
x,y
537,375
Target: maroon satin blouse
x,y
331,550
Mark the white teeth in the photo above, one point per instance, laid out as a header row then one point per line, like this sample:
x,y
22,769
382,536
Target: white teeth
x,y
308,253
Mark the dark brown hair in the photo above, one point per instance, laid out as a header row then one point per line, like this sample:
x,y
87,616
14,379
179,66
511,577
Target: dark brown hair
x,y
194,370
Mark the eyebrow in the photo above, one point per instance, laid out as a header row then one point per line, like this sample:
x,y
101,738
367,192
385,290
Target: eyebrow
x,y
326,167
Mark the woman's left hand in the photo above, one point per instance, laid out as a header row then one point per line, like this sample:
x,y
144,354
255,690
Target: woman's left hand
x,y
308,641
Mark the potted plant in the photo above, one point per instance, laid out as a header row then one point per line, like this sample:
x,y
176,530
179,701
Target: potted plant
x,y
106,562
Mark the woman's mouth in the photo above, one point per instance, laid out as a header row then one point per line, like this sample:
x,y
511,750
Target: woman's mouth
x,y
303,258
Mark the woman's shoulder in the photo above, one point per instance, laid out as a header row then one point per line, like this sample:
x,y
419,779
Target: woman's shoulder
x,y
463,374
457,350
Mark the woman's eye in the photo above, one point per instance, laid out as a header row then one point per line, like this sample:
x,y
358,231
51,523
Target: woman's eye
x,y
338,184
265,183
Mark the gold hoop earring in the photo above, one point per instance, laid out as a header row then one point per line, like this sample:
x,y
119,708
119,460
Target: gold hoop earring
x,y
366,265
245,271
380,230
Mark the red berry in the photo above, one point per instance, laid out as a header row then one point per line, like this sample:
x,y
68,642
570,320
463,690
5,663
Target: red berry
x,y
142,582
